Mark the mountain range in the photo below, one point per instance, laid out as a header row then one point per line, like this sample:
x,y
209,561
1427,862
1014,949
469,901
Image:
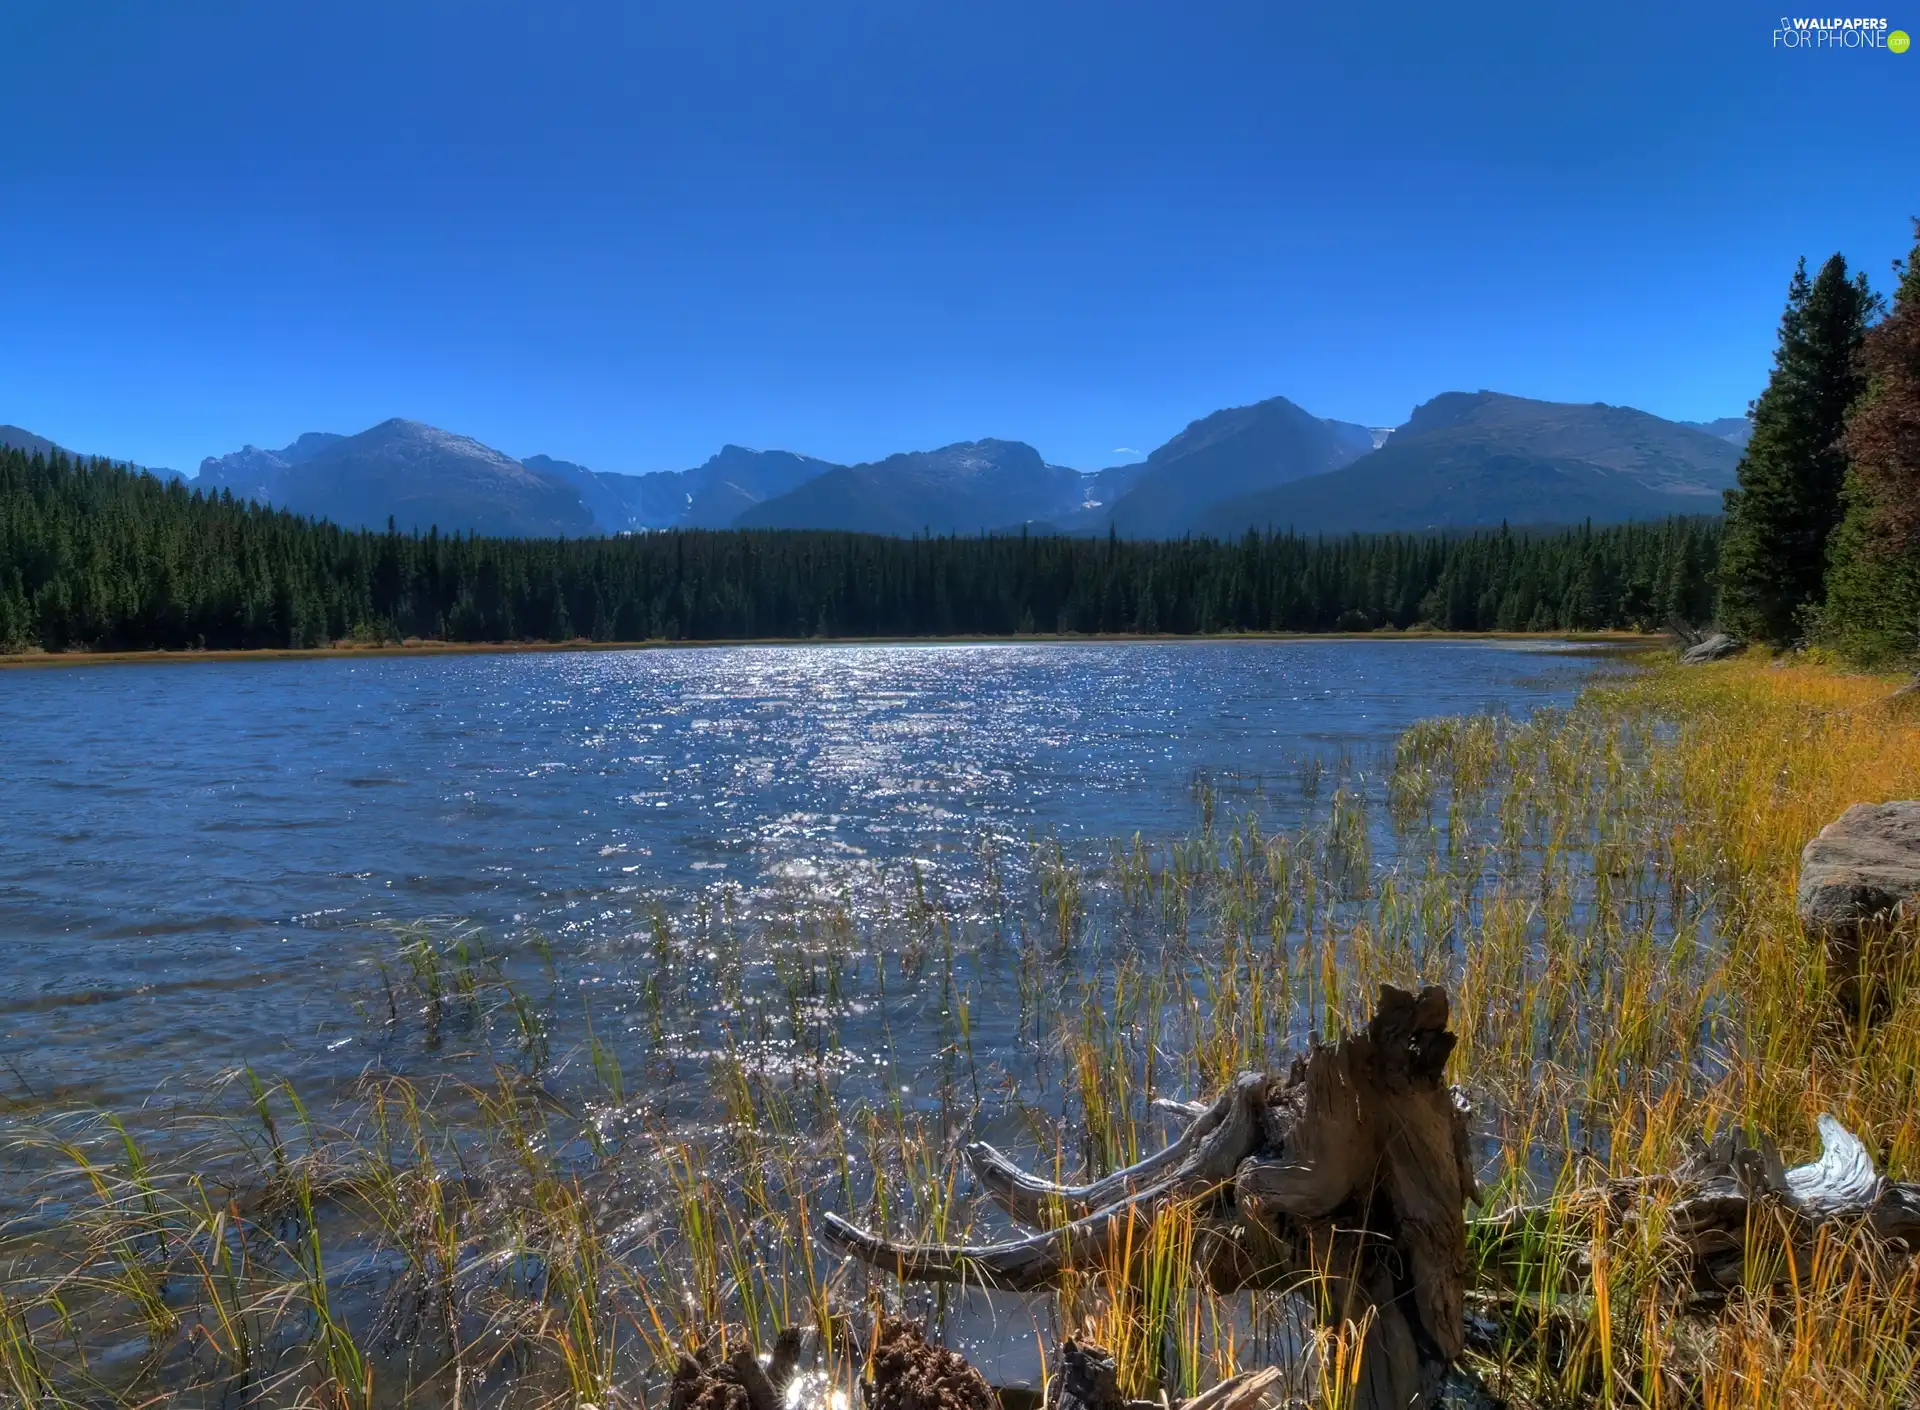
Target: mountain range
x,y
1462,459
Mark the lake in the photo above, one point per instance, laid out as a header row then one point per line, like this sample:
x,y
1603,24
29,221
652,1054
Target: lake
x,y
196,859
731,933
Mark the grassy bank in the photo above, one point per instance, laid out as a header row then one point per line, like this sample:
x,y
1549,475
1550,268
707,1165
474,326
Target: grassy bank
x,y
557,1167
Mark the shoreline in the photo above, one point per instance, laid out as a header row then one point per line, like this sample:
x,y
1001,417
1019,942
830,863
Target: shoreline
x,y
52,659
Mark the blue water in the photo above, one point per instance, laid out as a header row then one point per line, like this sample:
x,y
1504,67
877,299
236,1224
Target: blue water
x,y
196,859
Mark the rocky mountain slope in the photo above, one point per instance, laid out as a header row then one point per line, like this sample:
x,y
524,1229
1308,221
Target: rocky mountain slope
x,y
1242,450
1480,458
19,438
967,488
418,476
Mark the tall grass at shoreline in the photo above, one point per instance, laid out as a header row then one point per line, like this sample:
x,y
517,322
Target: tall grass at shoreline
x,y
556,1170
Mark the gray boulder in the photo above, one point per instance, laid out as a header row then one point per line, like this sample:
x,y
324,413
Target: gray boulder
x,y
1717,647
1861,872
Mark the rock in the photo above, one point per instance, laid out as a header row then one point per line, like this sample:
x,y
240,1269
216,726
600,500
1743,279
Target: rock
x,y
1864,866
1861,874
1717,647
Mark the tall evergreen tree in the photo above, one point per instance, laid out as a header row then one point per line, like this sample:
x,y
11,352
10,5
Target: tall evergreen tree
x,y
1773,557
1873,586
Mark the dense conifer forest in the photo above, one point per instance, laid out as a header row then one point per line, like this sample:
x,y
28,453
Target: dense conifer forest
x,y
95,557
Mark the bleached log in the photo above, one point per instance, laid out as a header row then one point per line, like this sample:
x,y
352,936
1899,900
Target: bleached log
x,y
1841,1181
1179,1110
1018,1265
1203,1159
1711,1197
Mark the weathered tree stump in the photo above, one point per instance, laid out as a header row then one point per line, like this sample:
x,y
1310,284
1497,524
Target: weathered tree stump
x,y
1083,1377
701,1382
1349,1178
911,1373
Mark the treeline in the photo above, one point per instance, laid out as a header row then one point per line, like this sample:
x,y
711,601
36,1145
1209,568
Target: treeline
x,y
1823,534
93,556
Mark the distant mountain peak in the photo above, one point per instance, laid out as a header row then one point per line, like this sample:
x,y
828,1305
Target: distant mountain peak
x,y
965,487
253,473
308,445
1468,459
416,475
1236,451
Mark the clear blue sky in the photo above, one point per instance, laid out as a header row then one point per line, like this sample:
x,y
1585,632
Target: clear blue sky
x,y
623,233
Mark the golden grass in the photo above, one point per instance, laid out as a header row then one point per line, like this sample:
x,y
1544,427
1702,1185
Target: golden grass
x,y
536,1203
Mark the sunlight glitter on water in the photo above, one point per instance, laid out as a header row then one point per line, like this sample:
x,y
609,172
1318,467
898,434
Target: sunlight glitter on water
x,y
251,828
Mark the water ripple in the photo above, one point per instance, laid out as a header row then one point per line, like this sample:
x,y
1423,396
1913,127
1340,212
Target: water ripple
x,y
204,857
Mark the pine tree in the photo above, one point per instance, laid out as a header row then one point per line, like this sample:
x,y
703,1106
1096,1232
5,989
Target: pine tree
x,y
1774,556
1873,586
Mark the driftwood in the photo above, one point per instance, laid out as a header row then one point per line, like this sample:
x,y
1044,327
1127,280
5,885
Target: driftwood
x,y
1717,647
1348,1179
1082,1376
1709,1205
1250,1390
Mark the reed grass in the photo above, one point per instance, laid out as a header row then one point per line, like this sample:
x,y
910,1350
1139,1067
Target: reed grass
x,y
562,1165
